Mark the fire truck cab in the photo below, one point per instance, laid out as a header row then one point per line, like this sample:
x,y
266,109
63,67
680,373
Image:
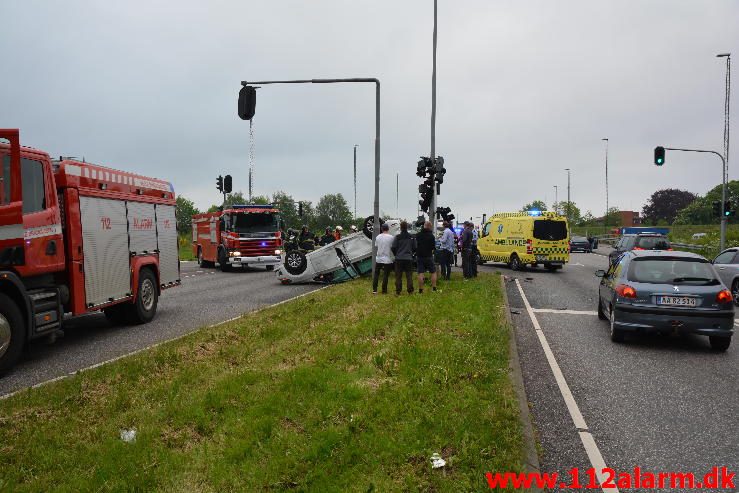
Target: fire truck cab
x,y
77,238
238,236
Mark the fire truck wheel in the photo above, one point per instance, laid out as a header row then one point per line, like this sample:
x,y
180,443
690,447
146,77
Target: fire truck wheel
x,y
296,262
12,333
223,261
369,226
201,261
145,306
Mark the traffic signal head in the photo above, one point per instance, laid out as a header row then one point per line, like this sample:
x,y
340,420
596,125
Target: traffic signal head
x,y
716,208
247,102
300,209
227,184
659,155
421,168
727,209
219,183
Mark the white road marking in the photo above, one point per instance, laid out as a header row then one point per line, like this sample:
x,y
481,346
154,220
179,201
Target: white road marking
x,y
578,264
566,312
588,442
111,360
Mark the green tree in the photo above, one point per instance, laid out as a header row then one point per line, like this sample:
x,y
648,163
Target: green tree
x,y
288,209
701,210
538,205
613,219
664,205
237,198
569,209
184,210
332,210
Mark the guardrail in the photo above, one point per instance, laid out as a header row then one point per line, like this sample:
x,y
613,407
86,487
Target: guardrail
x,y
688,246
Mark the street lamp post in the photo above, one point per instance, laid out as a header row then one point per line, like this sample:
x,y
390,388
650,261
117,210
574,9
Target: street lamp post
x,y
726,144
355,181
605,218
556,203
569,206
432,211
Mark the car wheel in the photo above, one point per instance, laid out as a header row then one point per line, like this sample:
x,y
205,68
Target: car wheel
x,y
12,333
735,291
514,263
601,314
719,343
144,307
369,226
296,262
617,335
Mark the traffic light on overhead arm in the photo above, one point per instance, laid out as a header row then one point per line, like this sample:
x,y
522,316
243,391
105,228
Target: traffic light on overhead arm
x,y
247,102
659,155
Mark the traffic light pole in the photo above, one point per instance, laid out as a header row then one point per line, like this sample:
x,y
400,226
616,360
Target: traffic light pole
x,y
723,190
432,210
376,225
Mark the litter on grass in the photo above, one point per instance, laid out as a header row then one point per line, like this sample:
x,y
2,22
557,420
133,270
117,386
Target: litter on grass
x,y
128,436
437,461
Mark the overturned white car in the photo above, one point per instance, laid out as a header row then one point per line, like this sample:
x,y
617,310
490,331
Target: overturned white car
x,y
341,260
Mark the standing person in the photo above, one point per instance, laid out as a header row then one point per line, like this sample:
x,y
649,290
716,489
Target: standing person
x,y
447,251
466,240
327,238
384,258
337,233
425,247
404,246
475,251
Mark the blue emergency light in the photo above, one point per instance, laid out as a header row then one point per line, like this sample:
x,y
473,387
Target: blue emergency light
x,y
534,212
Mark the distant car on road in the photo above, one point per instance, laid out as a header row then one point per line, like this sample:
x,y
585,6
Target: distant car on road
x,y
580,244
726,264
666,292
642,241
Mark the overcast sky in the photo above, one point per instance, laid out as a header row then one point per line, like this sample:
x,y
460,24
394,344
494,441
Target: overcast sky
x,y
525,89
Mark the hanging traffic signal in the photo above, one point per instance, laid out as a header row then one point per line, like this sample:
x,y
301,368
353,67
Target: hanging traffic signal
x,y
219,183
426,195
439,170
247,102
659,155
727,209
421,168
227,184
716,208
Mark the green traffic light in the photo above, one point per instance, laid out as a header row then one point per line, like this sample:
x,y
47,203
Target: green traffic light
x,y
659,160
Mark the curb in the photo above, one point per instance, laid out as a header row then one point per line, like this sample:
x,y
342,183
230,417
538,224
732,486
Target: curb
x,y
530,454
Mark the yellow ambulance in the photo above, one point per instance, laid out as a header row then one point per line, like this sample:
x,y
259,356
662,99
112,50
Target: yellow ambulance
x,y
525,238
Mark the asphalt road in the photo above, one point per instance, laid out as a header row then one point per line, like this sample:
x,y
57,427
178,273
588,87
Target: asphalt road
x,y
206,296
661,403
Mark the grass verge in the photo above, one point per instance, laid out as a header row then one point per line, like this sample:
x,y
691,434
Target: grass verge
x,y
340,390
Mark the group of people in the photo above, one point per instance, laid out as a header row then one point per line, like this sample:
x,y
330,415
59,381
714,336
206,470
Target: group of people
x,y
331,235
397,253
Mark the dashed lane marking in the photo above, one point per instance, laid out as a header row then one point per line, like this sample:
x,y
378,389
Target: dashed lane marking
x,y
588,442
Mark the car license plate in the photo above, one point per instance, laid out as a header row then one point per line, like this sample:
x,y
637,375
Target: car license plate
x,y
676,301
541,258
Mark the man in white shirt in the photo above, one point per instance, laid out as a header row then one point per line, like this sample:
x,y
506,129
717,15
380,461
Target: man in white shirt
x,y
447,251
384,258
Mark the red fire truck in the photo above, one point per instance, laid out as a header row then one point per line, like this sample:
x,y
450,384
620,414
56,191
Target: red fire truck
x,y
238,236
77,238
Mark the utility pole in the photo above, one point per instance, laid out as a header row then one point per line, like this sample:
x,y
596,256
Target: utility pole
x,y
397,182
432,210
556,202
605,218
724,219
355,180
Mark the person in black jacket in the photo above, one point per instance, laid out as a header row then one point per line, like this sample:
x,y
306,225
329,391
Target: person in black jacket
x,y
327,238
466,240
425,248
404,246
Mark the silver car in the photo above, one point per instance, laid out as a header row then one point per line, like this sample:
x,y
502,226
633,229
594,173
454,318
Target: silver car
x,y
727,266
666,292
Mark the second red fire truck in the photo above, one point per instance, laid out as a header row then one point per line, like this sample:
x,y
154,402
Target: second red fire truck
x,y
238,236
76,238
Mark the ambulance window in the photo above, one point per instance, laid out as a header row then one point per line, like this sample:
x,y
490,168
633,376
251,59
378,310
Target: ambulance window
x,y
486,229
546,229
32,175
5,181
